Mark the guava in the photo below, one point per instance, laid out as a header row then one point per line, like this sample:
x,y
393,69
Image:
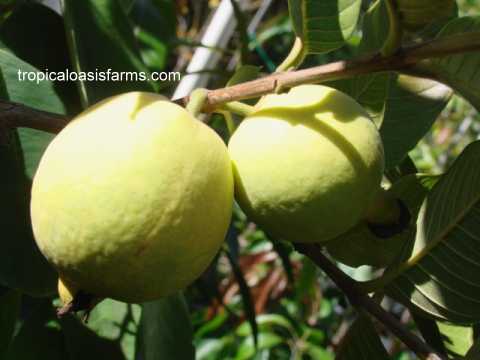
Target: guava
x,y
417,14
307,163
132,199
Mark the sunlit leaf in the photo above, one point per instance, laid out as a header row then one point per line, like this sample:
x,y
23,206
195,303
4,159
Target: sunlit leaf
x,y
440,276
456,338
324,25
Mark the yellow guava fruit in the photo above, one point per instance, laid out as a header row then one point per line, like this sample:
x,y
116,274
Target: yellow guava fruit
x,y
307,164
132,199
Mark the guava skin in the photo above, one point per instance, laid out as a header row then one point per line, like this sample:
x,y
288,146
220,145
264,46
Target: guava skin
x,y
132,199
307,164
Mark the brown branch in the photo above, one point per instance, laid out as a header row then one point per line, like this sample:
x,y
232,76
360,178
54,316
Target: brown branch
x,y
17,115
362,301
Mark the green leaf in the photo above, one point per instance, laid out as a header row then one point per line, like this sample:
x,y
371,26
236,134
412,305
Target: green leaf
x,y
9,310
45,50
412,106
474,352
266,340
324,25
210,349
41,95
457,71
404,107
165,330
116,321
266,322
370,90
307,279
362,342
154,40
244,73
316,352
101,38
19,154
440,276
83,343
456,338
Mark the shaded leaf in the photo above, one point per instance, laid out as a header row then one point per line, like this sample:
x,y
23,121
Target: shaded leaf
x,y
244,73
324,25
40,336
370,90
430,332
415,15
83,343
9,310
101,38
46,50
458,71
412,106
362,342
154,40
440,276
116,321
20,151
165,330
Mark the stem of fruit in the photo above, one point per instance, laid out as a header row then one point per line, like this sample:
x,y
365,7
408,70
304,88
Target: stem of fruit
x,y
237,107
405,60
362,301
81,302
294,58
229,121
395,31
196,101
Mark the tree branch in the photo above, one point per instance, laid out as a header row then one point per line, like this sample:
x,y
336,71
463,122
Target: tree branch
x,y
362,301
17,115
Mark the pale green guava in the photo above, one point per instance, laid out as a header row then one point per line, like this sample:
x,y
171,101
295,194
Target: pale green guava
x,y
133,198
307,163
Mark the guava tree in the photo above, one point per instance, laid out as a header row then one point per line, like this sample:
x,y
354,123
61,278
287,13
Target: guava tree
x,y
323,170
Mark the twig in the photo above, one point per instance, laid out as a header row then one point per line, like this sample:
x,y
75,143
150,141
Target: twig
x,y
18,115
404,60
362,301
